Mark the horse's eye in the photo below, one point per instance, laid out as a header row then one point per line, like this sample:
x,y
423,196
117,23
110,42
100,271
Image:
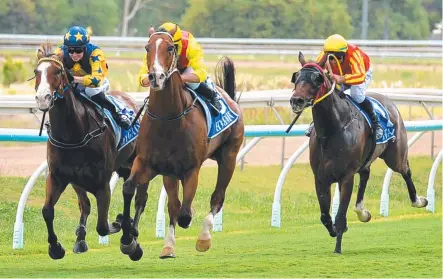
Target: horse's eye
x,y
147,47
35,71
170,48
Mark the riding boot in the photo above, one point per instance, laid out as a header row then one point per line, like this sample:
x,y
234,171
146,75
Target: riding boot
x,y
212,96
121,119
366,105
309,130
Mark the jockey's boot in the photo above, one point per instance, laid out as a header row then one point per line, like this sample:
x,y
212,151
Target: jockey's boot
x,y
212,96
366,105
121,119
309,130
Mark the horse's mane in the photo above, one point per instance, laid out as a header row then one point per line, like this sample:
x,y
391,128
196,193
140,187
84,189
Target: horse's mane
x,y
45,50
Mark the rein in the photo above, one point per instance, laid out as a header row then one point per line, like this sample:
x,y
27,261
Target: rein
x,y
55,96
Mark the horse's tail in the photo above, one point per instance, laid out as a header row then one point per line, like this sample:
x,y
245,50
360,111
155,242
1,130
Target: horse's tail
x,y
225,76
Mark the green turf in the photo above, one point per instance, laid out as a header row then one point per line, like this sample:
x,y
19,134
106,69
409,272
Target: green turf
x,y
406,244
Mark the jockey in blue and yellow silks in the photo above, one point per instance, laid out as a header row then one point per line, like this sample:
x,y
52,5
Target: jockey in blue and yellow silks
x,y
352,68
87,64
190,64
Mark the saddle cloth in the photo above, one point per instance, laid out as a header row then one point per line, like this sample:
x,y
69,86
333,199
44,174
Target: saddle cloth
x,y
216,124
122,136
383,118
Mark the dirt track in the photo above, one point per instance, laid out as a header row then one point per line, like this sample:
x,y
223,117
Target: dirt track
x,y
23,160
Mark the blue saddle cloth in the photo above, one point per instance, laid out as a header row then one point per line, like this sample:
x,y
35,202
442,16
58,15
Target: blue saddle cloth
x,y
383,118
216,124
122,136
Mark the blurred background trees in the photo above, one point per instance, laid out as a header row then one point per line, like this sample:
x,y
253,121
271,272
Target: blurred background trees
x,y
302,19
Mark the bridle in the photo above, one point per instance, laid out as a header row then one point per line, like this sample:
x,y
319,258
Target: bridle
x,y
173,67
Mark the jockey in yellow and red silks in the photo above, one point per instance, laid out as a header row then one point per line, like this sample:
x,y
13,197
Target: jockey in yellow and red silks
x,y
87,64
190,64
351,66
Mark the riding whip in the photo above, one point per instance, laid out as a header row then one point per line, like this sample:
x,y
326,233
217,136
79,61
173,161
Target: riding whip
x,y
41,125
293,122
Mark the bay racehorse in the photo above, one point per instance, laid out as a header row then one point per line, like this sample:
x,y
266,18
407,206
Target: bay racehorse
x,y
81,149
173,142
343,144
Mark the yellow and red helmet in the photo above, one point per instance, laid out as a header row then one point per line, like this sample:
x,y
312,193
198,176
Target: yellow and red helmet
x,y
168,26
335,43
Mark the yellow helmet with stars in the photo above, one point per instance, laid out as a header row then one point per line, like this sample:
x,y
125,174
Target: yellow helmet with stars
x,y
168,26
335,43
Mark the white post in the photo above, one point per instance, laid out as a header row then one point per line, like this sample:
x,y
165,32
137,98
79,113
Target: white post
x,y
104,240
18,237
431,182
276,206
335,202
218,221
161,218
384,199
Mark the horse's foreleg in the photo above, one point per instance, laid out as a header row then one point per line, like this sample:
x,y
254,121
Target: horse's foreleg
x,y
84,204
323,190
189,188
54,189
141,197
346,186
171,186
140,174
363,214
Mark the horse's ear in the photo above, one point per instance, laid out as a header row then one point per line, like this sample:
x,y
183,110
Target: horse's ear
x,y
322,62
173,30
40,53
294,77
151,30
301,58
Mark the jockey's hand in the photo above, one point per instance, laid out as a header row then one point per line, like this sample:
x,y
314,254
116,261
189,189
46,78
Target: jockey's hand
x,y
146,82
338,78
78,79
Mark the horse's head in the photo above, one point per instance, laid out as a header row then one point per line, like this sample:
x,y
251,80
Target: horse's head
x,y
310,84
50,77
161,57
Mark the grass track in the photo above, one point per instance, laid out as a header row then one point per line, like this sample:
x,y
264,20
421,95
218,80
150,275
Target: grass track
x,y
406,244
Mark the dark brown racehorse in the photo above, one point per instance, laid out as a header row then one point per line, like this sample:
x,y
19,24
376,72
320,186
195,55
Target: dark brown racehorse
x,y
342,143
81,149
173,142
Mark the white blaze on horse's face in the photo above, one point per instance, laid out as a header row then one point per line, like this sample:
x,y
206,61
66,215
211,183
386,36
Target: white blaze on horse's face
x,y
43,95
158,71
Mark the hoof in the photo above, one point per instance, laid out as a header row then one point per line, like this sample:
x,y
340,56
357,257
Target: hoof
x,y
56,252
167,253
138,253
115,227
184,221
420,202
363,215
337,251
128,249
203,245
80,247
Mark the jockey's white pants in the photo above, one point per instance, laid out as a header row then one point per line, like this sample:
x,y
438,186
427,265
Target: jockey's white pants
x,y
92,91
358,92
194,85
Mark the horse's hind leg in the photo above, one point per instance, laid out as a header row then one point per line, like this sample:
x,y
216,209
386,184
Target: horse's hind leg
x,y
324,199
54,189
395,157
363,214
226,165
171,186
84,204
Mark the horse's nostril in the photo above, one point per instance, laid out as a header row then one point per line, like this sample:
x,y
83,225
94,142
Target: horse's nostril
x,y
151,77
162,76
48,97
299,101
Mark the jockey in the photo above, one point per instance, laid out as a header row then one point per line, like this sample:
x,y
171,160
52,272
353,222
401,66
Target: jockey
x,y
87,64
354,72
190,65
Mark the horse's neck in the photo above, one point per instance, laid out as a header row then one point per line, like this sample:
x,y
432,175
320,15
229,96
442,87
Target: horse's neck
x,y
169,102
68,119
330,115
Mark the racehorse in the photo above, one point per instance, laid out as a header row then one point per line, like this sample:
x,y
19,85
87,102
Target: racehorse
x,y
343,144
81,149
173,142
